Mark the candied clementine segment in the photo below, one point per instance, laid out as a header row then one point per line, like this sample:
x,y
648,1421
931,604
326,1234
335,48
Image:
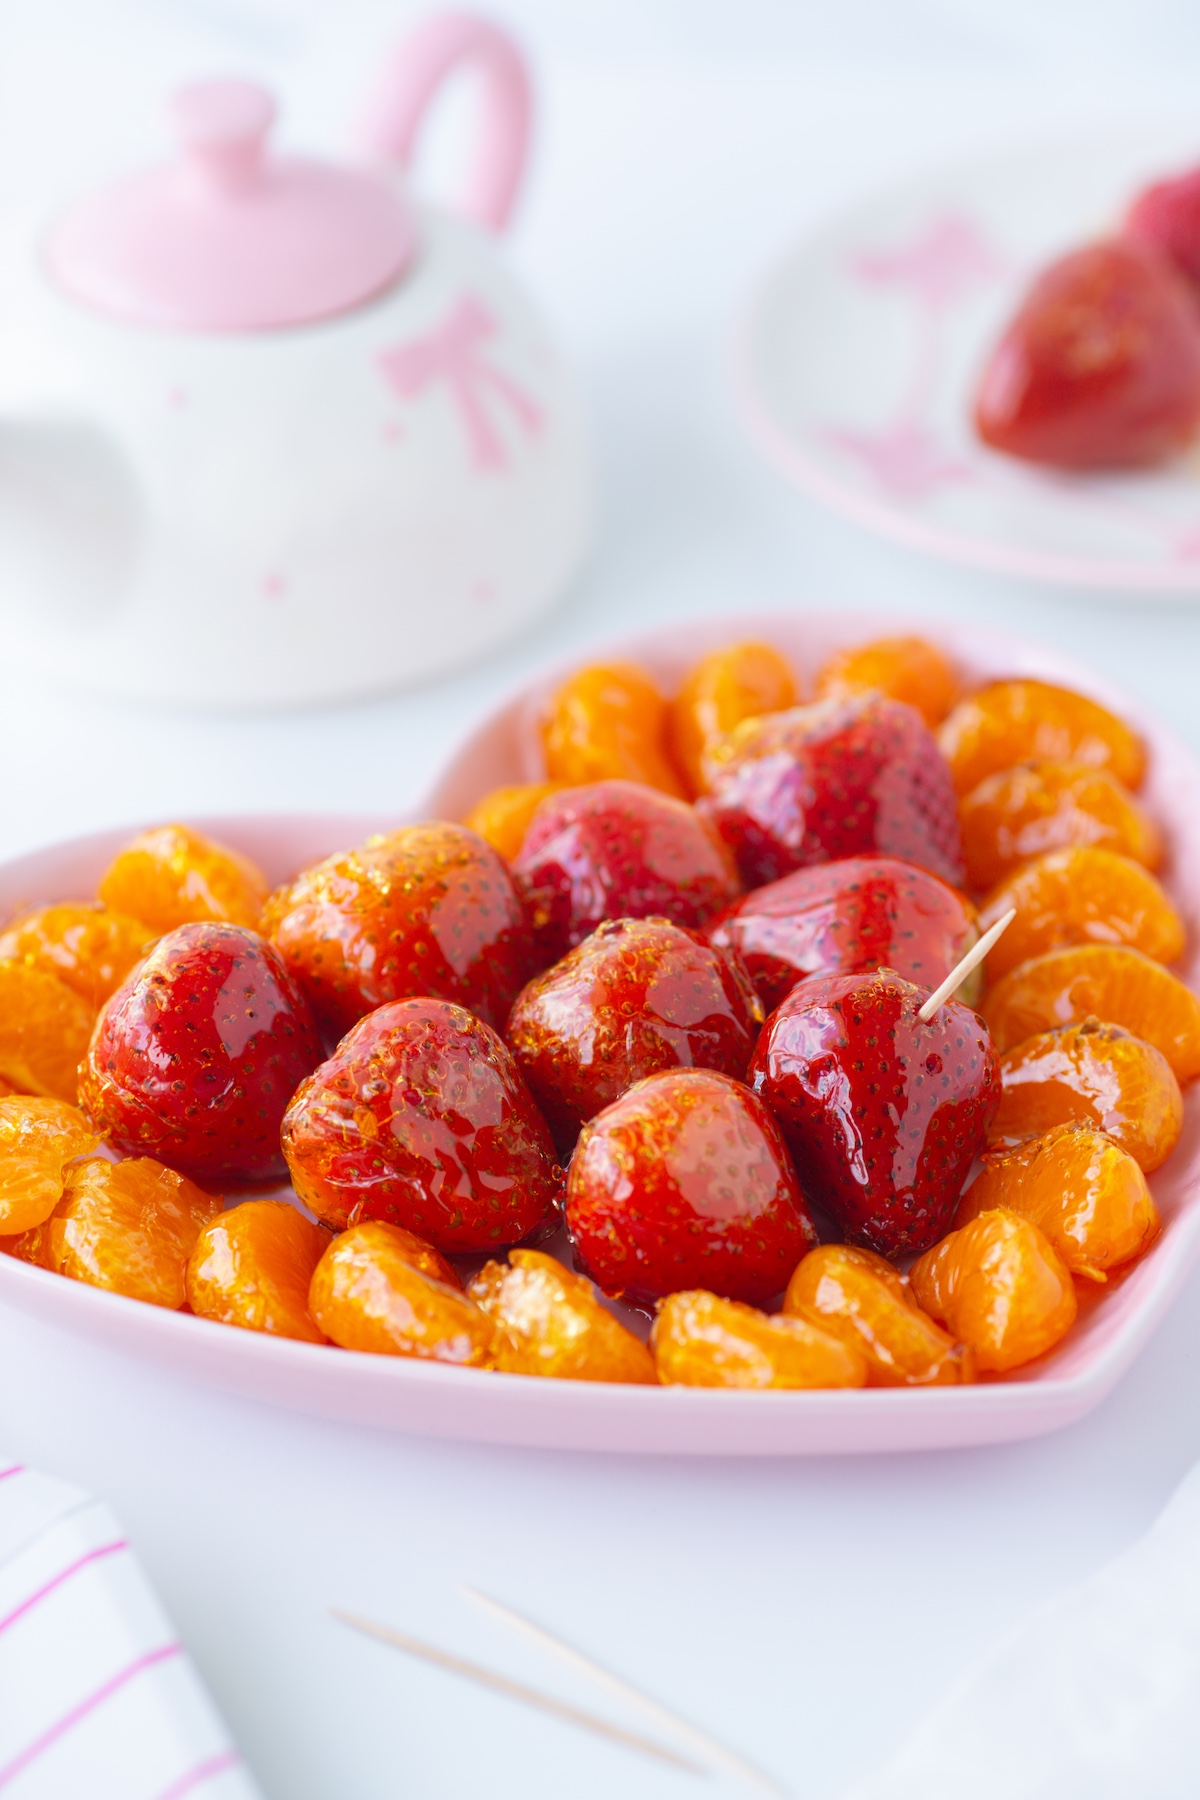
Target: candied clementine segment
x,y
1010,722
1039,806
701,1340
251,1266
723,688
502,817
553,1324
1086,1193
863,1300
44,1031
1099,981
1000,1286
1084,895
88,947
38,1140
128,1227
370,1292
175,876
1092,1074
905,668
609,721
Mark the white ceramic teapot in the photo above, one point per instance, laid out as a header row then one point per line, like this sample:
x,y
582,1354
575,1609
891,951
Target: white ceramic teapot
x,y
270,433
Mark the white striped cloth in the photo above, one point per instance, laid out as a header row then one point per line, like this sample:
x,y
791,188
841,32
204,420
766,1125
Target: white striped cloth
x,y
98,1700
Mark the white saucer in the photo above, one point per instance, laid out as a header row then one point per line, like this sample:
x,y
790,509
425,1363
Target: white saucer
x,y
857,362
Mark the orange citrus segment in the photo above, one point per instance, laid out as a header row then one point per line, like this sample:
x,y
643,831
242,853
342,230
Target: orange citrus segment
x,y
904,668
1079,896
1000,1286
1009,722
1113,984
174,876
1091,1074
502,817
740,682
702,1340
553,1324
605,722
44,1032
1039,806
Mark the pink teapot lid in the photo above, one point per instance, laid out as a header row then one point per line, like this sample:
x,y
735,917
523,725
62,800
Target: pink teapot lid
x,y
233,237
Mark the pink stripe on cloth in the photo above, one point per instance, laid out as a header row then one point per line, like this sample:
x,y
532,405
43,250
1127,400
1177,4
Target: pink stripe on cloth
x,y
13,1469
187,1784
62,1726
57,1580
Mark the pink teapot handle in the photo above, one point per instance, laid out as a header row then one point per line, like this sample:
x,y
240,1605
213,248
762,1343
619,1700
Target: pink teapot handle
x,y
410,83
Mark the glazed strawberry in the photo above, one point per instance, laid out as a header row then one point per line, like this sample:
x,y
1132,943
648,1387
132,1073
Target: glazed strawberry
x,y
193,1061
618,850
1167,215
840,778
1100,368
637,996
883,1113
421,1119
684,1182
850,915
429,909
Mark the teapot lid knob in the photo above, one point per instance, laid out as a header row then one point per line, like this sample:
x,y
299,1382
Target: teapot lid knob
x,y
223,126
233,236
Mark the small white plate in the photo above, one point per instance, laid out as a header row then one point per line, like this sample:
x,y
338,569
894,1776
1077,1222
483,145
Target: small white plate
x,y
857,362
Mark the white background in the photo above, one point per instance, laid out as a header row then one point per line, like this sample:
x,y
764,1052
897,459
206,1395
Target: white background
x,y
806,1611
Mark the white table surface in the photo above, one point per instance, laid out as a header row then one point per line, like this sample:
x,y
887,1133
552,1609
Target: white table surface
x,y
805,1611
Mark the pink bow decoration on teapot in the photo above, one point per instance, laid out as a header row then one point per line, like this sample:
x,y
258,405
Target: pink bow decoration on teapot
x,y
452,354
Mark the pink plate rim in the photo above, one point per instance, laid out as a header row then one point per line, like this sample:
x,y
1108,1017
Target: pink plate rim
x,y
402,1395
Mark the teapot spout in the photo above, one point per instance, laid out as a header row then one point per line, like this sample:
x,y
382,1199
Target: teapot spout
x,y
414,75
70,524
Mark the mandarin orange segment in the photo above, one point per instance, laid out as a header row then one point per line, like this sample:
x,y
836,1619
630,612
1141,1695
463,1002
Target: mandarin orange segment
x,y
1092,1074
1039,806
999,1286
739,682
701,1340
175,876
38,1140
553,1324
1099,981
44,1031
1085,1192
609,721
905,668
502,817
88,947
1017,721
1084,895
129,1227
863,1300
368,1292
252,1266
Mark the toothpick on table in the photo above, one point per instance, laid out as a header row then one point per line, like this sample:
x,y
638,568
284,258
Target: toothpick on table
x,y
697,1740
971,960
515,1690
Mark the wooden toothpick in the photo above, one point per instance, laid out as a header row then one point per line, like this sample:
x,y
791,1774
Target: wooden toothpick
x,y
706,1746
971,960
516,1690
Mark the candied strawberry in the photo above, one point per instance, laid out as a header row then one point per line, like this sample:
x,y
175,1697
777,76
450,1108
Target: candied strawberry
x,y
194,1059
1167,215
1100,368
843,777
854,914
429,909
883,1113
421,1119
685,1182
618,850
637,996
